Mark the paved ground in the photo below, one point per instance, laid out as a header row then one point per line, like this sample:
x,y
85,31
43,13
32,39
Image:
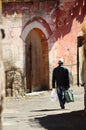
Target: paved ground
x,y
37,112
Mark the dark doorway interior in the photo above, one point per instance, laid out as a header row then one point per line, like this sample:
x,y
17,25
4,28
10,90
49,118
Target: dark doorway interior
x,y
80,61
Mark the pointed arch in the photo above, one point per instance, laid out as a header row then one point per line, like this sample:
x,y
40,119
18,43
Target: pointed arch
x,y
36,22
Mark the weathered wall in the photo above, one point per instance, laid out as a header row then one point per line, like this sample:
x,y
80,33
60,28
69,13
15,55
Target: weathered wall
x,y
84,59
2,73
13,45
61,43
13,56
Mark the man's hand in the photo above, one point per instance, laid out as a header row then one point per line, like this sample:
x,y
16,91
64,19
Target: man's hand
x,y
67,87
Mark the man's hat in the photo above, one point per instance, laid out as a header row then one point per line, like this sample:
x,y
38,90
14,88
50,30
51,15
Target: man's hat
x,y
61,60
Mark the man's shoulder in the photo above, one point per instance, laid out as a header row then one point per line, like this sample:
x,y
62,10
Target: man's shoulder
x,y
56,68
60,67
65,68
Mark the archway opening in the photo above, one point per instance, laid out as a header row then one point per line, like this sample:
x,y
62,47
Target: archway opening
x,y
37,65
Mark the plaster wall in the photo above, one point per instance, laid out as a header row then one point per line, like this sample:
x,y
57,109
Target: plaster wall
x,y
13,46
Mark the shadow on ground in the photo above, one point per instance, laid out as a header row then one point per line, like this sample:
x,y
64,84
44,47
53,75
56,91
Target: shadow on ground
x,y
45,110
69,121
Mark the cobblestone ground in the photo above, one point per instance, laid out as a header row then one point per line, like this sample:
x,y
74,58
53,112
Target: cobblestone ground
x,y
36,111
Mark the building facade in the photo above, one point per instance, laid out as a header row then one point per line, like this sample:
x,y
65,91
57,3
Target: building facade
x,y
38,33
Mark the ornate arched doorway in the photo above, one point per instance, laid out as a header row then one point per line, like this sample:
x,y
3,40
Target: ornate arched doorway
x,y
35,34
37,66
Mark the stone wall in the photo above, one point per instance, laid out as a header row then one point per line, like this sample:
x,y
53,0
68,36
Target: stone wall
x,y
14,83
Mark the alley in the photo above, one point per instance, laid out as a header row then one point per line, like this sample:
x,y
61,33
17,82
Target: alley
x,y
36,111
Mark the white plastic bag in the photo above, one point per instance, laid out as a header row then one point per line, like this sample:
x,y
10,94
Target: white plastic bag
x,y
53,95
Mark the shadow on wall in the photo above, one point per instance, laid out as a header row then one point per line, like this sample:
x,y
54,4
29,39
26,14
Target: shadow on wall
x,y
69,121
77,12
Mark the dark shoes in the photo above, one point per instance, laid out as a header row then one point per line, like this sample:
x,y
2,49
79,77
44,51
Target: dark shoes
x,y
62,107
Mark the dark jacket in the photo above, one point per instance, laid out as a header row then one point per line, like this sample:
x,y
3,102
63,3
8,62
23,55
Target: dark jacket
x,y
60,77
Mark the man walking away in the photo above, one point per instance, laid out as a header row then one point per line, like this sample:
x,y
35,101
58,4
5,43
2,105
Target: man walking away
x,y
60,77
